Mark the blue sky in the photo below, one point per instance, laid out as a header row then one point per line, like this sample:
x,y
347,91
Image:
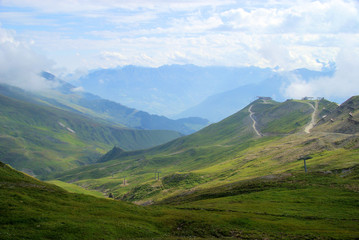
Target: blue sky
x,y
77,35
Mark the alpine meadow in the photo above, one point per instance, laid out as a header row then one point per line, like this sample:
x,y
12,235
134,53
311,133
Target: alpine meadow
x,y
179,119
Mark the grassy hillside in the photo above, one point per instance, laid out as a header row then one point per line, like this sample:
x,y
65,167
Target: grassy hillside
x,y
299,206
39,139
222,153
287,117
35,210
288,206
223,182
73,188
66,98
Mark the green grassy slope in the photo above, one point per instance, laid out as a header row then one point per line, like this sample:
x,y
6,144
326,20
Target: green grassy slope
x,y
287,117
289,206
76,189
299,206
222,153
64,97
35,210
39,139
117,113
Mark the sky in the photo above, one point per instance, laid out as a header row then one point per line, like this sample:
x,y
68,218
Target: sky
x,y
74,36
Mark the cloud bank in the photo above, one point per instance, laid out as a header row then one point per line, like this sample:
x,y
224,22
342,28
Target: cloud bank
x,y
343,84
107,33
19,65
281,34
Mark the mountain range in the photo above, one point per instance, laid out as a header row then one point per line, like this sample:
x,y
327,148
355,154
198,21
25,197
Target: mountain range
x,y
67,97
264,138
273,170
166,90
40,139
180,91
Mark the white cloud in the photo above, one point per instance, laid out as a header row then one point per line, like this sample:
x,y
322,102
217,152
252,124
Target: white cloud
x,y
300,17
255,20
19,65
325,16
55,6
343,84
107,33
178,57
77,89
113,55
299,88
276,54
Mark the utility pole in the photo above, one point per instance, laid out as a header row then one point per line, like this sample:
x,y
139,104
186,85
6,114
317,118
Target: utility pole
x,y
124,181
305,158
157,175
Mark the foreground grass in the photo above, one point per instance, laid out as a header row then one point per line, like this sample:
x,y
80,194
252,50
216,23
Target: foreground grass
x,y
73,188
35,210
295,207
312,206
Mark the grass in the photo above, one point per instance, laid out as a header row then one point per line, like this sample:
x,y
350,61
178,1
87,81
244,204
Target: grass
x,y
223,182
205,167
73,188
37,138
284,118
295,206
116,113
34,210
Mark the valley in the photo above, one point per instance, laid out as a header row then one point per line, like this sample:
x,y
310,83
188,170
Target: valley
x,y
65,96
40,139
179,120
222,153
242,177
297,206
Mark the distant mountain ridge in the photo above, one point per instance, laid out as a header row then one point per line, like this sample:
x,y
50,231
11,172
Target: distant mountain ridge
x,y
181,91
221,105
67,96
169,89
41,139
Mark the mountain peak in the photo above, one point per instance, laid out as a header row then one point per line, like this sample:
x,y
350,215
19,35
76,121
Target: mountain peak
x,y
114,152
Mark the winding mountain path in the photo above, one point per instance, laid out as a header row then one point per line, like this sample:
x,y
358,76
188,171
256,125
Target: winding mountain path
x,y
312,122
254,121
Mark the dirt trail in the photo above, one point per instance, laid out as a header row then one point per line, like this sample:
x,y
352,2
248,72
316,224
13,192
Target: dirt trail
x,y
312,122
254,121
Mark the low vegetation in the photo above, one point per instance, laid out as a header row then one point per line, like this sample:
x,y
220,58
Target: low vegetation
x,y
223,182
290,206
222,153
40,140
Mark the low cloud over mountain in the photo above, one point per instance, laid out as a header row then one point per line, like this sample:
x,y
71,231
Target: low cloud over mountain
x,y
20,65
342,84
